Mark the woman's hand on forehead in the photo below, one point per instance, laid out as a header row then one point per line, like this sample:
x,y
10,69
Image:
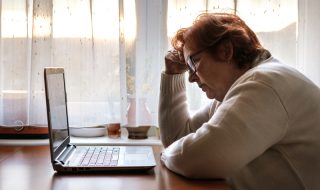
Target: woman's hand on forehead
x,y
175,63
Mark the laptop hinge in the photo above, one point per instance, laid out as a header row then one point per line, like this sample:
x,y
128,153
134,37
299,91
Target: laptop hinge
x,y
63,157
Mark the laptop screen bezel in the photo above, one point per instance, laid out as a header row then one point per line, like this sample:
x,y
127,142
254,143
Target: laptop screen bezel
x,y
55,152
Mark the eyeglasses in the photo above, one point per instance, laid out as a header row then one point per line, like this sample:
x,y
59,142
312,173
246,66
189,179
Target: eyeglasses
x,y
191,63
190,60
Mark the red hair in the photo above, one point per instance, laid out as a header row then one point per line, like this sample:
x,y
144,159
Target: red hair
x,y
217,28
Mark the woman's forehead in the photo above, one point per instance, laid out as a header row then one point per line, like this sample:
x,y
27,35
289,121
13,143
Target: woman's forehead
x,y
190,48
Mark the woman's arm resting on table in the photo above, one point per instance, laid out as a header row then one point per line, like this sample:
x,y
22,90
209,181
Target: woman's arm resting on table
x,y
243,127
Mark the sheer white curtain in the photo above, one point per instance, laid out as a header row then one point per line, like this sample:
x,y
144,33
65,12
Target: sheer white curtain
x,y
275,23
82,36
85,40
309,39
114,48
109,49
144,52
15,61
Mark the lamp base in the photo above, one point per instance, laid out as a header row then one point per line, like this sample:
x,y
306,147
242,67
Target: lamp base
x,y
139,132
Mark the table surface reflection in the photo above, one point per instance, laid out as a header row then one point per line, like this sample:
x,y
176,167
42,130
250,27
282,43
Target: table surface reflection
x,y
29,168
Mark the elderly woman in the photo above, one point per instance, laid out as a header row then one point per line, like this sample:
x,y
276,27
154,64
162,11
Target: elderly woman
x,y
262,129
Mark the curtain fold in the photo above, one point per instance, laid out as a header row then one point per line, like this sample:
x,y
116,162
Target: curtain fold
x,y
308,58
39,56
14,81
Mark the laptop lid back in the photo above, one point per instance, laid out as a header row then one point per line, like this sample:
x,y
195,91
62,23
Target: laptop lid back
x,y
57,114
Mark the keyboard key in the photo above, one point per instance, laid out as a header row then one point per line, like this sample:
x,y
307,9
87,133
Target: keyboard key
x,y
114,163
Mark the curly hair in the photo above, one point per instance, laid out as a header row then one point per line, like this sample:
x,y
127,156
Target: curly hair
x,y
213,29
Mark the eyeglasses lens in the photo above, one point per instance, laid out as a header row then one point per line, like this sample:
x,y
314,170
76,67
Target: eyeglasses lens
x,y
191,66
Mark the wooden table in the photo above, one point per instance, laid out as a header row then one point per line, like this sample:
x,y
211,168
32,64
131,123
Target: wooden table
x,y
29,168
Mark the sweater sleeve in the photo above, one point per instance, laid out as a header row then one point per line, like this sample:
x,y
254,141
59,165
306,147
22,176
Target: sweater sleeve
x,y
174,118
249,120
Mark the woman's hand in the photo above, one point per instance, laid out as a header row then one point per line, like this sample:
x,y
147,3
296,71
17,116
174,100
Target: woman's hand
x,y
175,63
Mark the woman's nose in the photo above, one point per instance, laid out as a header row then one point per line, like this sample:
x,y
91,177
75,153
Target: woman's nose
x,y
193,77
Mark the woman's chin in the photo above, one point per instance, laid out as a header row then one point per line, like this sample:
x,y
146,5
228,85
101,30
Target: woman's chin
x,y
210,95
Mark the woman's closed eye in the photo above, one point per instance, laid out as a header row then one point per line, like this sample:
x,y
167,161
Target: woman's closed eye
x,y
196,61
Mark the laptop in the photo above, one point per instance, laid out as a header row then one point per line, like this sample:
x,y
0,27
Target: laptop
x,y
67,157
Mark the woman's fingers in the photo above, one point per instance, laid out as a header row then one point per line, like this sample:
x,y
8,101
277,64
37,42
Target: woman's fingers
x,y
175,56
174,62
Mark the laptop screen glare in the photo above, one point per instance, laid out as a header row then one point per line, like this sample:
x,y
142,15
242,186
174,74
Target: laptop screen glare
x,y
58,109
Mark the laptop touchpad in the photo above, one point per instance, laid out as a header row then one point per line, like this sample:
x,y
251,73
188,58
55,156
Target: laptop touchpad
x,y
135,157
137,154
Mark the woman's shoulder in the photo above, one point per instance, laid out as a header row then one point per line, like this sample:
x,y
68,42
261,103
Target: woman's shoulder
x,y
281,79
274,73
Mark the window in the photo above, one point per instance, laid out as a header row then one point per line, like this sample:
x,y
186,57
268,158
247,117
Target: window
x,y
97,44
114,48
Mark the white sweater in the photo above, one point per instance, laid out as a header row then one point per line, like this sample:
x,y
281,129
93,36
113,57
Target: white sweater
x,y
265,134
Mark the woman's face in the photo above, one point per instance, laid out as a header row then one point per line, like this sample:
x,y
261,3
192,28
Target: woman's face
x,y
212,76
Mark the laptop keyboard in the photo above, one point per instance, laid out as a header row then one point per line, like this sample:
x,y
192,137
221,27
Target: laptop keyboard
x,y
96,156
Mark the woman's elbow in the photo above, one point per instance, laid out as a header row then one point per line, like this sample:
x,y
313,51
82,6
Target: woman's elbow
x,y
199,169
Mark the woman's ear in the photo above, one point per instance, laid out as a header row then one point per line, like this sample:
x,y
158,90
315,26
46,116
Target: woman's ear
x,y
226,51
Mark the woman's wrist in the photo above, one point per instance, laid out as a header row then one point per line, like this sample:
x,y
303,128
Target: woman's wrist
x,y
168,72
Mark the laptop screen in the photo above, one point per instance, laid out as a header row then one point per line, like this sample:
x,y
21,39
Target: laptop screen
x,y
56,98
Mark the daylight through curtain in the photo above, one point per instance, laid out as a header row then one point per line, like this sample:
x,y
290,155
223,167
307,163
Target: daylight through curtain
x,y
113,51
106,57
